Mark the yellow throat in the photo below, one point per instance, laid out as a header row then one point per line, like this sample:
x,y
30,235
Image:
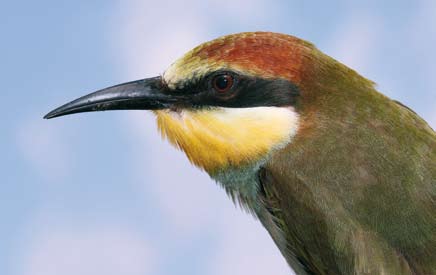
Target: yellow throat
x,y
216,138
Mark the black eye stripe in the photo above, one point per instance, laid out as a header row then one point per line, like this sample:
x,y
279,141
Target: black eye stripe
x,y
245,91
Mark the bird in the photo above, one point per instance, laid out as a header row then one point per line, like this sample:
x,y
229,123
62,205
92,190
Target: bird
x,y
342,177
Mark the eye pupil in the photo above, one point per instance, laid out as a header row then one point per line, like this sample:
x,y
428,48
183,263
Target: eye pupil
x,y
223,83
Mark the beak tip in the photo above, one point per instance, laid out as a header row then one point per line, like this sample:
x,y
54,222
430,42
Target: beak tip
x,y
50,115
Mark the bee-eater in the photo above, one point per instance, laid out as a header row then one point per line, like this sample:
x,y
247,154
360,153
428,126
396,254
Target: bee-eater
x,y
342,177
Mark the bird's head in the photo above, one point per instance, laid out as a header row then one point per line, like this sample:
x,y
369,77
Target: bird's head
x,y
228,102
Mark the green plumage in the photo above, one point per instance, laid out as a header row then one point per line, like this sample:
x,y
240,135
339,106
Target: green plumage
x,y
355,191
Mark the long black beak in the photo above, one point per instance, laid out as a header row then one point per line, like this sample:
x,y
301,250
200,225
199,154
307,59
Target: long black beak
x,y
144,94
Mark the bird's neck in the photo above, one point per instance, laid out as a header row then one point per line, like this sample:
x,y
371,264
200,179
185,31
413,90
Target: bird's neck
x,y
230,143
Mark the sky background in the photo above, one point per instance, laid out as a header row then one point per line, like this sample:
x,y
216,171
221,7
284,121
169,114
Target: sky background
x,y
100,193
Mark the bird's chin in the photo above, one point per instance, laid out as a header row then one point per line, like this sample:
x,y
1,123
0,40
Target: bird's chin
x,y
175,113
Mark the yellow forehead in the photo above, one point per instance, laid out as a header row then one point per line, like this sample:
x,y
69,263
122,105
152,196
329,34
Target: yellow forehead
x,y
189,67
195,63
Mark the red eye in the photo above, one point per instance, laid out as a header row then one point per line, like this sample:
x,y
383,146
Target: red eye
x,y
222,83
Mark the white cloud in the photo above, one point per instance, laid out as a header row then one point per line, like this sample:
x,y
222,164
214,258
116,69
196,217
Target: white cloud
x,y
355,42
422,37
432,121
151,35
246,248
76,250
185,194
245,13
42,145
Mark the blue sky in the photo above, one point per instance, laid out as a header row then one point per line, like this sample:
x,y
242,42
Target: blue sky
x,y
101,193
